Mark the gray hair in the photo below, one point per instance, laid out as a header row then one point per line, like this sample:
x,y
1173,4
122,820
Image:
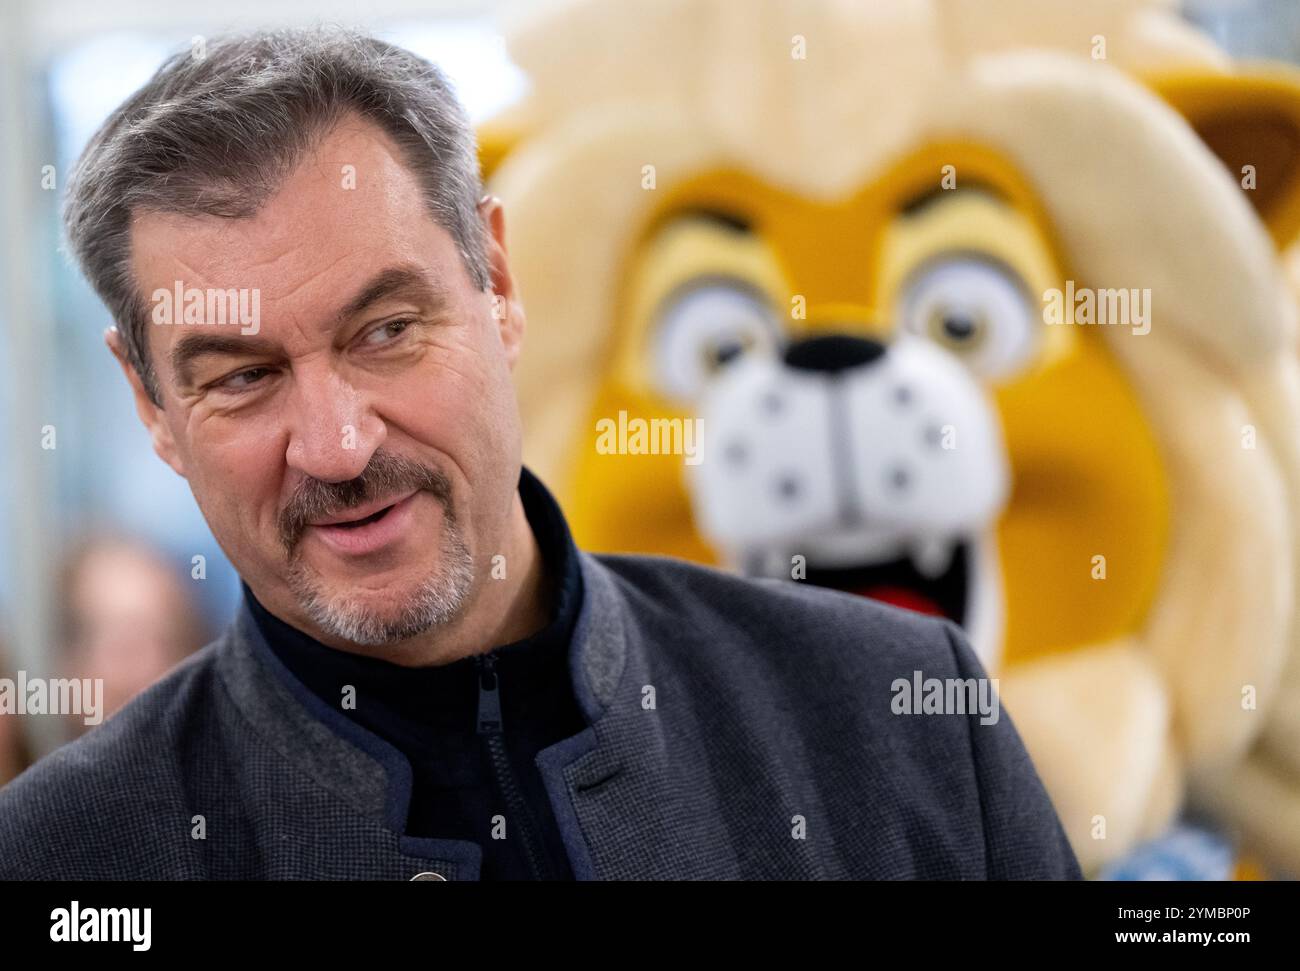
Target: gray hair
x,y
217,134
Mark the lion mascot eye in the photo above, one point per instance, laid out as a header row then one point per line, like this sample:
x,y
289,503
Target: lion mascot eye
x,y
975,308
703,327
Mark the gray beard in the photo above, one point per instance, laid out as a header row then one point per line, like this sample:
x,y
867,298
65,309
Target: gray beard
x,y
435,603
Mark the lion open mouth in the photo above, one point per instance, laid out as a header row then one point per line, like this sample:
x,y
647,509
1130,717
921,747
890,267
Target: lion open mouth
x,y
938,592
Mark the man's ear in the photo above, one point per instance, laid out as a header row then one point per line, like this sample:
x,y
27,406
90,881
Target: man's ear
x,y
1251,121
150,414
507,308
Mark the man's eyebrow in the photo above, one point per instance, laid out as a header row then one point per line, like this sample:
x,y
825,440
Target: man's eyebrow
x,y
191,347
401,279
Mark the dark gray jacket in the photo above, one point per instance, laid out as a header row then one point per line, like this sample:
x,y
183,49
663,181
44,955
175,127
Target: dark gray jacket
x,y
768,749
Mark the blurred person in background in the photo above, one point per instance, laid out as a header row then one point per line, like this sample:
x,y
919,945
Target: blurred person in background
x,y
128,617
14,753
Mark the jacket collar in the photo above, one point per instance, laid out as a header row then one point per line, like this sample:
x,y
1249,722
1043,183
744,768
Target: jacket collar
x,y
355,767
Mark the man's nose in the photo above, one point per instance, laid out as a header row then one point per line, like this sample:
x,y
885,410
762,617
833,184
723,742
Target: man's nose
x,y
332,431
830,353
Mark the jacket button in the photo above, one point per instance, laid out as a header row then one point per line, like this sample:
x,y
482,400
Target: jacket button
x,y
428,875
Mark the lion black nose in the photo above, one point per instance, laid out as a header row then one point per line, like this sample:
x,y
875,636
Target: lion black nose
x,y
833,352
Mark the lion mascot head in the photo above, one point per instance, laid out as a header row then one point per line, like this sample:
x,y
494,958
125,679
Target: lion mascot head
x,y
974,306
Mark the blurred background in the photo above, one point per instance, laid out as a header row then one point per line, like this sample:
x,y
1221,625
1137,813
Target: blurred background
x,y
107,568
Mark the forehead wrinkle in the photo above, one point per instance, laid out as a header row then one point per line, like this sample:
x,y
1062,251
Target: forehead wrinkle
x,y
311,279
195,274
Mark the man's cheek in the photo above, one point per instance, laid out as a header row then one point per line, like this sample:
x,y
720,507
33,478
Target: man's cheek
x,y
237,483
431,396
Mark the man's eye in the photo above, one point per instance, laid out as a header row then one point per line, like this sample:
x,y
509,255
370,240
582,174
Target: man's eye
x,y
388,332
242,380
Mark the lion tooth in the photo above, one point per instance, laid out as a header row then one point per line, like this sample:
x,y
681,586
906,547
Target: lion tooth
x,y
932,557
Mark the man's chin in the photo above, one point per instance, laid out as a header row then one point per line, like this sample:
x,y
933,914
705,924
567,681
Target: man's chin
x,y
372,620
361,612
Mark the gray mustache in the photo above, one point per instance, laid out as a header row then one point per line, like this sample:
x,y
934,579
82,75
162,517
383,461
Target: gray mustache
x,y
385,475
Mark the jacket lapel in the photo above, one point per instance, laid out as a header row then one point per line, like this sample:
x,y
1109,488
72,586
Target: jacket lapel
x,y
329,798
626,807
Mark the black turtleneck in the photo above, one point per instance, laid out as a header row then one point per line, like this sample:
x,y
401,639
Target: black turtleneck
x,y
463,777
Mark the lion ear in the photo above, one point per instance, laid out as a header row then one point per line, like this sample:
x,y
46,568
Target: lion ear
x,y
496,138
1251,121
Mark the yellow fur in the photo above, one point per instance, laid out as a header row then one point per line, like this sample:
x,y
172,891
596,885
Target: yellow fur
x,y
1127,690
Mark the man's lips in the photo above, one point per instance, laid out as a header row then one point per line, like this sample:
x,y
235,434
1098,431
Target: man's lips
x,y
393,520
361,512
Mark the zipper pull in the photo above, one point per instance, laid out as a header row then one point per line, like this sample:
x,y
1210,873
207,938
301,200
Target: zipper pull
x,y
489,701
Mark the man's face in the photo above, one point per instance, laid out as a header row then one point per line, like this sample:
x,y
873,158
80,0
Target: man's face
x,y
355,449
